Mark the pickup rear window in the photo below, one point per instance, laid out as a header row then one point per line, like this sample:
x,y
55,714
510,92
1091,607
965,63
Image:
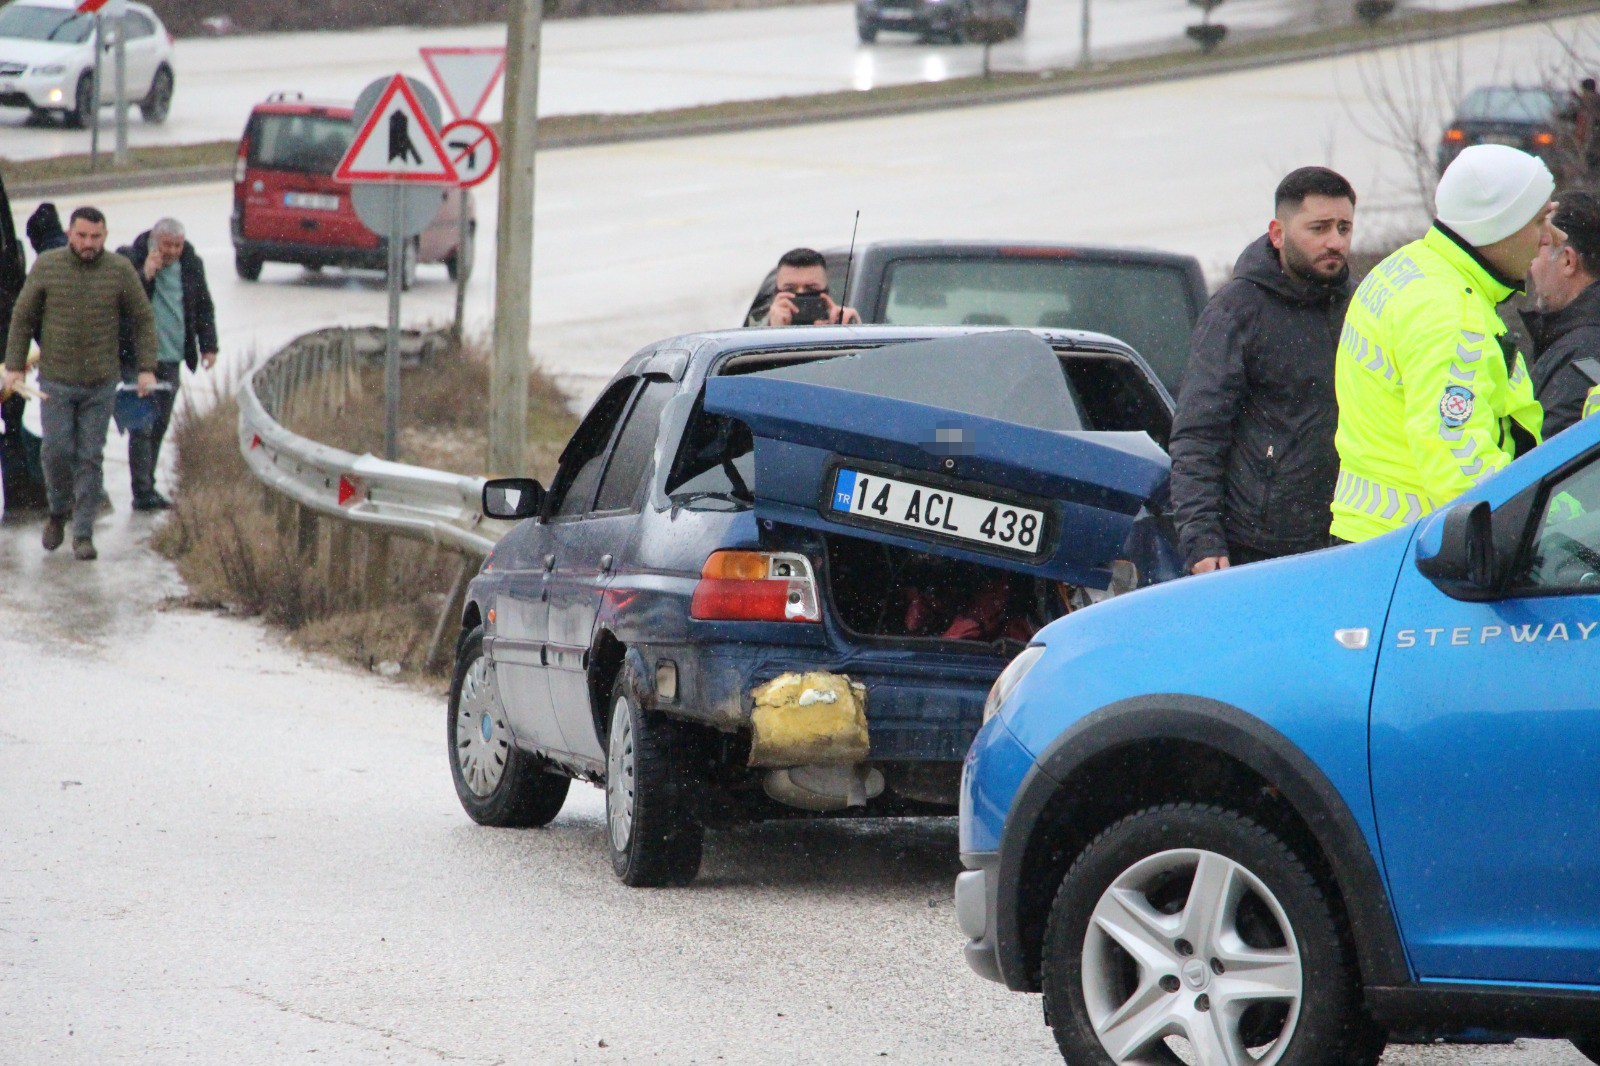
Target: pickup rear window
x,y
1144,304
308,144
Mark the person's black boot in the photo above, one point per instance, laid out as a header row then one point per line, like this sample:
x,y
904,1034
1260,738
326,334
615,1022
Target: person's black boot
x,y
55,531
83,548
153,502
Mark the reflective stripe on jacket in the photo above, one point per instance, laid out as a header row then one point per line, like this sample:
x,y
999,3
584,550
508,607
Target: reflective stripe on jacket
x,y
1591,402
1428,387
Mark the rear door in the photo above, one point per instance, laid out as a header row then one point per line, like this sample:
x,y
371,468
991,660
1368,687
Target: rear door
x,y
143,53
290,194
911,445
589,543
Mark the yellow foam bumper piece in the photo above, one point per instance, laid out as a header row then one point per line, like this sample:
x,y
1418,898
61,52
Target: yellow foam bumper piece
x,y
809,719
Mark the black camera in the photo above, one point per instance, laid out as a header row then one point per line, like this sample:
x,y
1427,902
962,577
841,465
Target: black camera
x,y
809,308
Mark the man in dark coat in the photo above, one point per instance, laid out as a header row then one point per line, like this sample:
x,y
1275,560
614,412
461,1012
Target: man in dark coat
x,y
1566,325
1253,461
22,491
186,324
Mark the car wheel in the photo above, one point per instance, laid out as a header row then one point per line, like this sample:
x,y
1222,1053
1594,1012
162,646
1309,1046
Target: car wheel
x,y
247,266
83,103
1589,1047
461,259
155,106
867,30
654,834
408,265
1192,929
498,783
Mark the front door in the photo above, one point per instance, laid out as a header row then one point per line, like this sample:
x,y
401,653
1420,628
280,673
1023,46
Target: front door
x,y
589,553
1485,744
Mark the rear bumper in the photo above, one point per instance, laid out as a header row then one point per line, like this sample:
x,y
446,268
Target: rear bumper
x,y
315,254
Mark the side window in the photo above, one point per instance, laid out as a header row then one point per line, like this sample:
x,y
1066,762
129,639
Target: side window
x,y
1565,556
585,453
629,465
139,26
716,461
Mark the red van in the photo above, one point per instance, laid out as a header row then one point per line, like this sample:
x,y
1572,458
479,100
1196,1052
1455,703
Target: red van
x,y
288,209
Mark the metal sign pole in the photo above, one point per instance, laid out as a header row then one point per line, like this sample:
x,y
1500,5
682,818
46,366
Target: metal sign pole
x,y
391,352
463,266
513,280
94,106
1083,37
121,156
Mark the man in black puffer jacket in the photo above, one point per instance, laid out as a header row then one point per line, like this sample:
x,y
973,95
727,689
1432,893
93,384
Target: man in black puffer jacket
x,y
1253,461
1566,328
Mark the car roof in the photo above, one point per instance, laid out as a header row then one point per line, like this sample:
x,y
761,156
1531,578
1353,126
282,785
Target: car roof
x,y
295,104
691,355
71,4
1024,249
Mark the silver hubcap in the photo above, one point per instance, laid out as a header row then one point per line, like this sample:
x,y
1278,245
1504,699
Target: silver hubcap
x,y
1188,952
619,775
482,740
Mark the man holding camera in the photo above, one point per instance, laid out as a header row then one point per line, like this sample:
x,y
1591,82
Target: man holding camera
x,y
801,297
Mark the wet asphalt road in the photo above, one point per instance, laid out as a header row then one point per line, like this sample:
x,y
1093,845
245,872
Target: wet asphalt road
x,y
215,849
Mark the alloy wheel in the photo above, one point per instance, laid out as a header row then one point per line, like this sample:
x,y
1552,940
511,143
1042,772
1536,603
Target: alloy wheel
x,y
1189,954
620,784
482,740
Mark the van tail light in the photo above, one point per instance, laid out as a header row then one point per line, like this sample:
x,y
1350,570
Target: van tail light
x,y
743,586
240,162
1455,136
1543,139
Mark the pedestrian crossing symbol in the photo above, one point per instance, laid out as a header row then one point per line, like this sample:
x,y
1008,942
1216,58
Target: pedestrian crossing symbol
x,y
397,143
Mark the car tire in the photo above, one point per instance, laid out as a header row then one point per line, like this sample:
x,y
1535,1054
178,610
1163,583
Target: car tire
x,y
1129,950
498,783
408,265
1588,1047
652,830
158,103
83,103
867,30
461,259
247,266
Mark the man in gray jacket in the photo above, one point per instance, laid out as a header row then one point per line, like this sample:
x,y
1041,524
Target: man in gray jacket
x,y
1566,326
74,301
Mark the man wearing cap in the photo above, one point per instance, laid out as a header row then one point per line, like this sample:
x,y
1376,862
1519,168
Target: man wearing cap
x,y
1566,325
1433,396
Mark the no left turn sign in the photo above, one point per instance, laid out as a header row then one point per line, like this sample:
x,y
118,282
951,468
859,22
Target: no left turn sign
x,y
472,149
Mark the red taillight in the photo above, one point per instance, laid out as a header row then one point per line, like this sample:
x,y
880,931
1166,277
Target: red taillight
x,y
1455,136
240,163
742,586
1544,139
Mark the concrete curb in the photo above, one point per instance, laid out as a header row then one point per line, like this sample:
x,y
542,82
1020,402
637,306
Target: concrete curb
x,y
802,115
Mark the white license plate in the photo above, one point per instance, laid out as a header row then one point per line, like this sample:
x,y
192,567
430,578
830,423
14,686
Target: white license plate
x,y
311,201
934,510
1501,138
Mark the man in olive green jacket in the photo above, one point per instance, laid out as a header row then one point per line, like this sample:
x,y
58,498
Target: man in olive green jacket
x,y
74,301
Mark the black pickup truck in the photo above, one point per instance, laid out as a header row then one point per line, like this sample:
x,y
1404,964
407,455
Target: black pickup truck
x,y
1149,300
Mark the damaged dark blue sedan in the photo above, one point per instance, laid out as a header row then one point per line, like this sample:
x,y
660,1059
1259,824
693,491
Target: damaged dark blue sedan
x,y
778,572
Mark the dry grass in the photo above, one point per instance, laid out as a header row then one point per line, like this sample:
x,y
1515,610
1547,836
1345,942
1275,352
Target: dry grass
x,y
234,548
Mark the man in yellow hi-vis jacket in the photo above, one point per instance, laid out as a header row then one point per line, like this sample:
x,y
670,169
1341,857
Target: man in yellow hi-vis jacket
x,y
1433,397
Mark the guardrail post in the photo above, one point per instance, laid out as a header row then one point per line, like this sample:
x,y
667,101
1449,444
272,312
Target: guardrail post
x,y
377,583
453,603
286,518
340,540
305,540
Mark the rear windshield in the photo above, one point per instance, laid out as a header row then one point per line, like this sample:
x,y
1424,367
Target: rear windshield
x,y
1144,305
311,144
1509,105
45,24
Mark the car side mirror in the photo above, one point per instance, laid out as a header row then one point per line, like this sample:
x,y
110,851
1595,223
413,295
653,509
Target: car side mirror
x,y
512,497
1467,566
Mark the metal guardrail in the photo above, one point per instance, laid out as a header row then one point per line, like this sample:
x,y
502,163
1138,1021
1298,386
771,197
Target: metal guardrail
x,y
411,501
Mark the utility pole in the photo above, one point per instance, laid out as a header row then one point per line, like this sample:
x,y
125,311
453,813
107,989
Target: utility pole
x,y
1083,38
99,84
513,257
121,21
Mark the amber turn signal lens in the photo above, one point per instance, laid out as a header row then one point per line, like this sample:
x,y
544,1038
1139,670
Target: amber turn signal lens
x,y
1455,136
737,566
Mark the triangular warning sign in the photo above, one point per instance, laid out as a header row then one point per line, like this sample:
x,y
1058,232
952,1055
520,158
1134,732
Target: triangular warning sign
x,y
466,76
397,143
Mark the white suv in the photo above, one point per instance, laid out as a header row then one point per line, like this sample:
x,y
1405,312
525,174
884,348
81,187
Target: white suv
x,y
47,60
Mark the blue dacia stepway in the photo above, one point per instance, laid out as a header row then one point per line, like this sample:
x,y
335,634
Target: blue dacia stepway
x,y
1281,812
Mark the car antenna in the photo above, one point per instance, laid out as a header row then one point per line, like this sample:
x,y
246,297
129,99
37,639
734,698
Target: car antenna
x,y
849,264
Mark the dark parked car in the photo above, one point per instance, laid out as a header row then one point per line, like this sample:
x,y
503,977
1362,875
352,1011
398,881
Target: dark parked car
x,y
1148,299
1536,120
778,571
944,19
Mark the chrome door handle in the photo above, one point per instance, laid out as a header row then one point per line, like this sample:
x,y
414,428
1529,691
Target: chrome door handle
x,y
549,562
605,564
